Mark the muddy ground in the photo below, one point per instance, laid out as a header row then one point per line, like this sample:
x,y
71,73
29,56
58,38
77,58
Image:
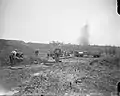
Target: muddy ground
x,y
71,77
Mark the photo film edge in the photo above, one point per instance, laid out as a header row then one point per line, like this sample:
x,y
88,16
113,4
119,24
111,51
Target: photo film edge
x,y
118,7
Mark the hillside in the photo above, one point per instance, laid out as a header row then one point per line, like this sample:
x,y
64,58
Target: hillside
x,y
76,76
6,46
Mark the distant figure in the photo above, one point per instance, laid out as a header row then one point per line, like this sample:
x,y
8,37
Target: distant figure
x,y
37,52
57,53
48,55
15,57
118,88
37,56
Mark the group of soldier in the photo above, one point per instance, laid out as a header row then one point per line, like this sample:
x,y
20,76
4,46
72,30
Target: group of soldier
x,y
15,56
55,54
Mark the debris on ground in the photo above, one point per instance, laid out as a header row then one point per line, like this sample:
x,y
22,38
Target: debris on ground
x,y
73,77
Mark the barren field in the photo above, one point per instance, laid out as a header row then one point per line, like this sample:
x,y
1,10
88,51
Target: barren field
x,y
72,77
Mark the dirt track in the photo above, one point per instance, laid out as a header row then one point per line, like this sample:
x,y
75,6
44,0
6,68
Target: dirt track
x,y
72,77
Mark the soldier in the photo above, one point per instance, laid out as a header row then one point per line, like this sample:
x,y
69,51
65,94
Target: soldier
x,y
19,56
36,61
47,55
57,53
14,52
12,57
37,52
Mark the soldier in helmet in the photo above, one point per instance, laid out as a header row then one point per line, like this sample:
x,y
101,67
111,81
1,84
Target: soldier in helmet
x,y
14,52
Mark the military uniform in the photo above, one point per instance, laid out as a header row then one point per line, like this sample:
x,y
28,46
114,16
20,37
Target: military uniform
x,y
57,53
12,57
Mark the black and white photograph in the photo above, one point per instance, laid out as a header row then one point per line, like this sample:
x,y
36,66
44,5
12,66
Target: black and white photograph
x,y
59,48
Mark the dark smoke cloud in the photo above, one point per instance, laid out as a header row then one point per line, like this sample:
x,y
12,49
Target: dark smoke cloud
x,y
84,38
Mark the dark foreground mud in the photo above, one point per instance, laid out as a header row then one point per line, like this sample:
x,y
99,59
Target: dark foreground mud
x,y
72,77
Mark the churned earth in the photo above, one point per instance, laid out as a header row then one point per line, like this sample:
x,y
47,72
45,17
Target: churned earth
x,y
71,77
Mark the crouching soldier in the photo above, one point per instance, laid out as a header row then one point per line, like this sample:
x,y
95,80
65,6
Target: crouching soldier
x,y
19,56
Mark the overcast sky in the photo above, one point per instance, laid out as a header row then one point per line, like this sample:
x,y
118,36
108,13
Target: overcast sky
x,y
61,20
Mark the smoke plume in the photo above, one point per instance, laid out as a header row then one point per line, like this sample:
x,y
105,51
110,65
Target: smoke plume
x,y
84,38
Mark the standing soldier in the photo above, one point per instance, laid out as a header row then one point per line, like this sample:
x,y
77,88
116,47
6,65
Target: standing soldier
x,y
57,53
37,56
12,57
